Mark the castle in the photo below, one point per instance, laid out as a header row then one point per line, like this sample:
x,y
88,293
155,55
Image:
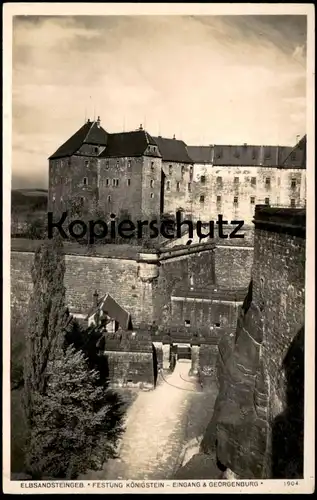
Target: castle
x,y
136,174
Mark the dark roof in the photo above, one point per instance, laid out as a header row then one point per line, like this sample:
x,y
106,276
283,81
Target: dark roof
x,y
111,307
200,154
128,144
241,155
173,150
89,133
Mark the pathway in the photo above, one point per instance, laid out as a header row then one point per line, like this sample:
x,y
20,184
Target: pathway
x,y
156,429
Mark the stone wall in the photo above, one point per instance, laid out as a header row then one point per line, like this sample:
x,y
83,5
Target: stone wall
x,y
144,295
232,190
131,369
257,427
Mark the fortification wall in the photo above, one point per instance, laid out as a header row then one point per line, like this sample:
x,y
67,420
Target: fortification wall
x,y
256,430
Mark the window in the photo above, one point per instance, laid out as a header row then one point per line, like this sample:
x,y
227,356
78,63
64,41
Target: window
x,y
189,187
236,180
293,156
267,201
129,182
152,195
151,184
87,163
217,325
183,169
235,200
117,182
202,198
170,169
191,169
267,154
113,182
203,179
168,185
129,163
109,197
219,180
293,183
107,182
253,181
152,165
218,199
107,165
293,203
187,322
96,150
268,181
85,181
177,186
252,200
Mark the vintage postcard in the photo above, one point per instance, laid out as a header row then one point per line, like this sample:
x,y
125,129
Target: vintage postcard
x,y
158,248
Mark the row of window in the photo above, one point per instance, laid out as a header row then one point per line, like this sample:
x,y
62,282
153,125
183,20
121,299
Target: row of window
x,y
191,170
252,200
219,182
109,196
115,182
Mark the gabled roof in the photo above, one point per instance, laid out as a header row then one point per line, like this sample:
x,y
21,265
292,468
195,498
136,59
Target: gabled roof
x,y
173,150
128,144
89,133
111,307
297,156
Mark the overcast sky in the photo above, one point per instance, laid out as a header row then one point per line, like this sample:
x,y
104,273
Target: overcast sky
x,y
215,79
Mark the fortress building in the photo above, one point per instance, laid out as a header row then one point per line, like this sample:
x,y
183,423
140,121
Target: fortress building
x,y
136,174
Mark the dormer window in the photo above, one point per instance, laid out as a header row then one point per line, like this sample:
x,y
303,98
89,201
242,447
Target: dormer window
x,y
96,150
170,169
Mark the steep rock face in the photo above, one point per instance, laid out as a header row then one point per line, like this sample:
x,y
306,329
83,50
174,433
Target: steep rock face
x,y
237,431
256,430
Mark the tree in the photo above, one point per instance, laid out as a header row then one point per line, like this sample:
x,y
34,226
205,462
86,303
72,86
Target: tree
x,y
77,424
47,319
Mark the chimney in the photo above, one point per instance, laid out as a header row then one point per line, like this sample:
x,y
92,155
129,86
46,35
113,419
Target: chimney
x,y
95,298
98,122
297,138
141,128
174,136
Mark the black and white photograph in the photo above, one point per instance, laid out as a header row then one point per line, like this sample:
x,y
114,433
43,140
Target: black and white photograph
x,y
158,287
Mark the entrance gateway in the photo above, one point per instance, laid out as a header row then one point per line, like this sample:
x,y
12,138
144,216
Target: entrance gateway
x,y
182,351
